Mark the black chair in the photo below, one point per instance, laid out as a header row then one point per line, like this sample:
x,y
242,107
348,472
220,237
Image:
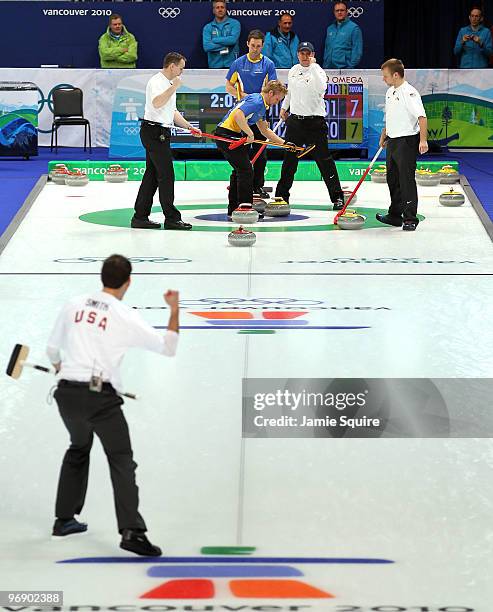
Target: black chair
x,y
67,110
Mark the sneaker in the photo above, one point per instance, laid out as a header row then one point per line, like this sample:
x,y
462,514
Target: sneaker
x,y
338,204
177,225
388,220
409,226
136,542
63,528
144,224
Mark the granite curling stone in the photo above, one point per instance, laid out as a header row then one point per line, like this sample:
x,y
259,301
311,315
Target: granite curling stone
x,y
241,237
245,213
426,178
277,208
116,174
351,221
379,175
76,179
452,198
448,175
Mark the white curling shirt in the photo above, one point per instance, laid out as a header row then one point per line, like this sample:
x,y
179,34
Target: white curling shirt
x,y
306,89
403,107
156,86
94,331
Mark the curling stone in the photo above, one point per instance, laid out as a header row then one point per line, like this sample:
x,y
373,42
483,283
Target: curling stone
x,y
245,213
277,208
259,203
448,175
379,175
346,197
76,179
241,237
452,198
59,174
426,178
351,221
115,174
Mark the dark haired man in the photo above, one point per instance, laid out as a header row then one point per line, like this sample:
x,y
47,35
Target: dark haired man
x,y
247,75
155,133
281,43
87,344
405,134
117,47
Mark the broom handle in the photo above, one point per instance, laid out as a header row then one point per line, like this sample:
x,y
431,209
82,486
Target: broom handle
x,y
343,210
262,148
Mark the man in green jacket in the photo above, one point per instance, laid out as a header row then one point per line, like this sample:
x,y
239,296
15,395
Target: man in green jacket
x,y
117,47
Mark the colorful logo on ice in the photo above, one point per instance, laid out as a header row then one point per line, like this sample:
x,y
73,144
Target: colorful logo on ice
x,y
238,574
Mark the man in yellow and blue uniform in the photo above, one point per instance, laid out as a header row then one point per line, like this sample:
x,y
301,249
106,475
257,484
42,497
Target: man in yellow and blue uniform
x,y
247,75
250,112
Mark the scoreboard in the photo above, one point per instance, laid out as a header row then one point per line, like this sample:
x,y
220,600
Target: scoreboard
x,y
345,103
344,107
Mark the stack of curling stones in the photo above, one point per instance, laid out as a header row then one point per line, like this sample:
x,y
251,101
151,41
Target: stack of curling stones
x,y
76,179
58,174
379,175
351,221
245,213
277,208
242,237
115,174
452,198
448,175
427,178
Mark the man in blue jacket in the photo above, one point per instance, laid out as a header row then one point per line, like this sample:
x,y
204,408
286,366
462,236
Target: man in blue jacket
x,y
220,37
344,40
281,43
473,45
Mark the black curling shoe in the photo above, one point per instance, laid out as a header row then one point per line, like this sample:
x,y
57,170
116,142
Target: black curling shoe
x,y
136,542
144,224
388,220
71,526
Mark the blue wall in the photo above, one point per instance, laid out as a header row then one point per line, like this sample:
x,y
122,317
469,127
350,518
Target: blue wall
x,y
66,33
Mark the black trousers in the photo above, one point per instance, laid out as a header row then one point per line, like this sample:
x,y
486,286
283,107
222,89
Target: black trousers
x,y
261,163
84,414
159,174
307,132
402,153
241,178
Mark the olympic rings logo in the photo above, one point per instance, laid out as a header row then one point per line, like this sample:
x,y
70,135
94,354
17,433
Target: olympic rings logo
x,y
355,11
169,12
131,131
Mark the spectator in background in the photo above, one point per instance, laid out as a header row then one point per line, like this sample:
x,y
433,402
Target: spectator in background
x,y
344,40
117,47
473,46
281,44
220,37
